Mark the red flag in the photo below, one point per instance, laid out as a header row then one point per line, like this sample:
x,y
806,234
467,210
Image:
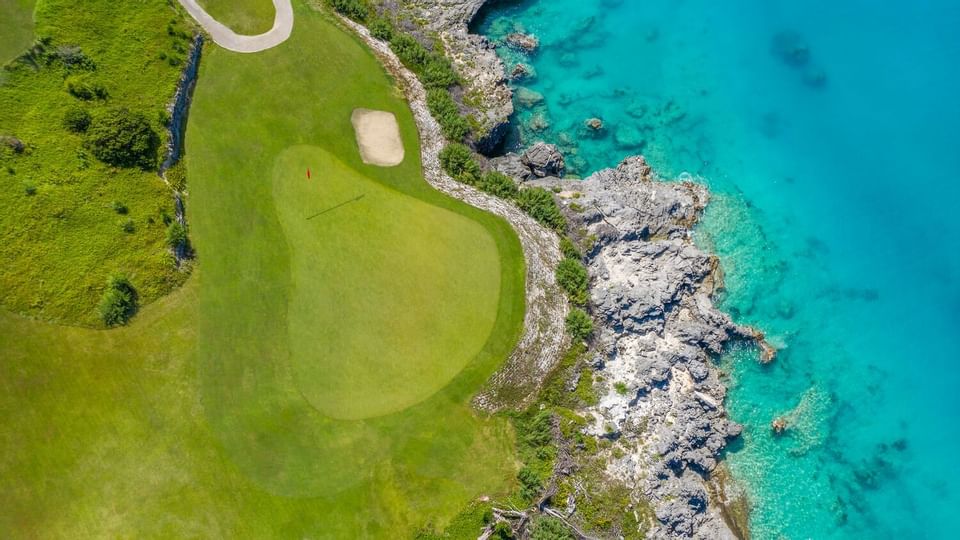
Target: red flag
x,y
308,173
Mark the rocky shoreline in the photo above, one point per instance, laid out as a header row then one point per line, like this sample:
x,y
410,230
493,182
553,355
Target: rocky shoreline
x,y
651,293
661,404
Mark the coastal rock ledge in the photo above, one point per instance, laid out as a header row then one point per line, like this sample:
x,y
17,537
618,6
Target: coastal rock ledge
x,y
475,58
658,334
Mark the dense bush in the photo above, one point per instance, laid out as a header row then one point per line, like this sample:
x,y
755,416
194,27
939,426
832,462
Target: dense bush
x,y
444,109
569,250
579,325
176,235
530,485
177,176
458,161
381,28
355,9
409,51
124,139
83,87
498,184
539,203
119,301
572,277
437,72
76,120
550,528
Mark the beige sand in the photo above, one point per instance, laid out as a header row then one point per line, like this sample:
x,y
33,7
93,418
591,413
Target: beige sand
x,y
378,136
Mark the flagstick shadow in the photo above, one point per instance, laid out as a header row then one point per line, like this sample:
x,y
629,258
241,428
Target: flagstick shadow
x,y
334,207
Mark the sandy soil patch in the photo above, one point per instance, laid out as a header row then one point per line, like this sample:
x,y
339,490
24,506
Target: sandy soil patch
x,y
378,136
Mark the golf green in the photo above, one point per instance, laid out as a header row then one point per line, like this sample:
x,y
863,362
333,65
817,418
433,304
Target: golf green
x,y
388,291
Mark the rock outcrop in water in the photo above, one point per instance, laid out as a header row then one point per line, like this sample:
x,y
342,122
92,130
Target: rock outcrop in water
x,y
658,333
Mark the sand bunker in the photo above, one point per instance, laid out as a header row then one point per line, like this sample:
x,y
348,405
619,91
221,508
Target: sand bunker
x,y
378,136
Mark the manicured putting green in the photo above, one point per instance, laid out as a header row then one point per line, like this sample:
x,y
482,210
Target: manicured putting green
x,y
388,291
249,17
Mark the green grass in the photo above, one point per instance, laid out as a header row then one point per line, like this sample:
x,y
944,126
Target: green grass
x,y
204,418
387,290
256,310
60,244
250,17
17,27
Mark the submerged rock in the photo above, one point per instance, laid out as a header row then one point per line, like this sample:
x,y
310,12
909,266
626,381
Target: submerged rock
x,y
523,42
791,48
594,124
528,98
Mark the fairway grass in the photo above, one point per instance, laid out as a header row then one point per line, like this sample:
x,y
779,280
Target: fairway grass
x,y
16,28
247,17
313,378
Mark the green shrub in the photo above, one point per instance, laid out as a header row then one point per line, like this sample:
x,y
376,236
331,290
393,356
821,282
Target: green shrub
x,y
128,226
119,301
176,235
443,108
119,207
458,161
572,277
579,325
550,528
83,87
124,139
502,531
354,9
541,206
438,73
177,176
30,189
568,249
409,51
498,184
381,28
530,485
76,120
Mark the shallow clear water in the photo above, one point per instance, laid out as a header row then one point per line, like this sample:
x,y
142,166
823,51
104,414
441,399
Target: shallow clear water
x,y
828,132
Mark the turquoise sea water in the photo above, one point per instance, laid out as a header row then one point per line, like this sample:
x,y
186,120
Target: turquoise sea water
x,y
828,132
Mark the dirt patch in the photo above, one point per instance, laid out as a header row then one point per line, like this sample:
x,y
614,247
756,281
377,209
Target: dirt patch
x,y
378,136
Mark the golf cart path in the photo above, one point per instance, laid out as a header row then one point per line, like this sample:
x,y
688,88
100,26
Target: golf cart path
x,y
230,40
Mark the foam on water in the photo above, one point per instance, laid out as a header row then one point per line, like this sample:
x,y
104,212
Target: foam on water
x,y
828,134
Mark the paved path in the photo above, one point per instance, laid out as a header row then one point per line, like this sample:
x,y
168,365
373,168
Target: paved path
x,y
230,40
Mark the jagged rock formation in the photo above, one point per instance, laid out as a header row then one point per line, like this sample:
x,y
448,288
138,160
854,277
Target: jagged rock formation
x,y
475,58
542,160
658,331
